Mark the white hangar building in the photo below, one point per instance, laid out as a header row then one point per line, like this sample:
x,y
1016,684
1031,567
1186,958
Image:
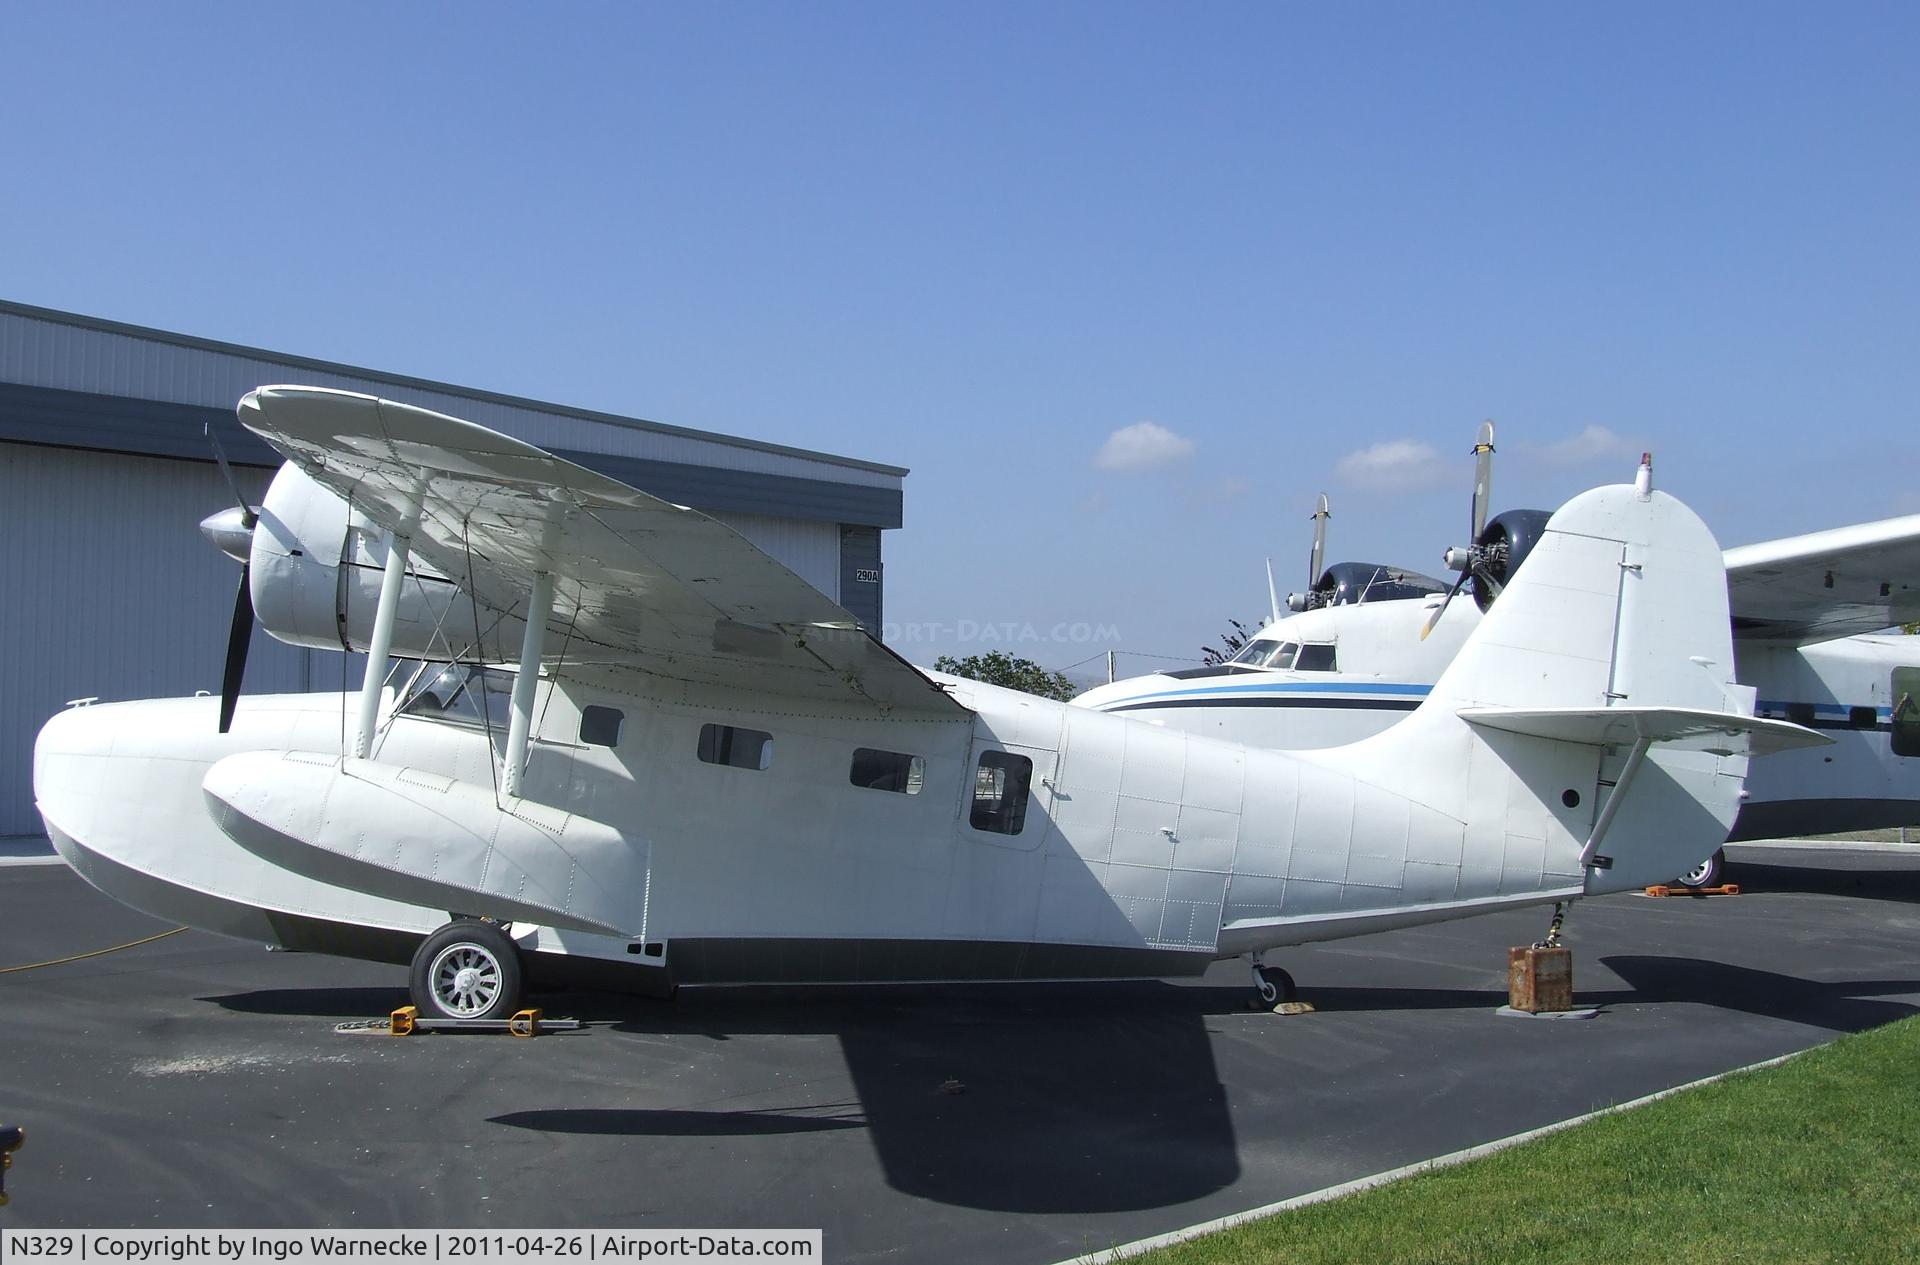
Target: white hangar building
x,y
111,592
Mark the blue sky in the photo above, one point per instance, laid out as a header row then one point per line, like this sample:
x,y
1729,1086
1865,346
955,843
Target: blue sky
x,y
1310,246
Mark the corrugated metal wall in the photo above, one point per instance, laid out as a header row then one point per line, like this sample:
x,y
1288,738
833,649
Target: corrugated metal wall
x,y
808,549
38,351
108,589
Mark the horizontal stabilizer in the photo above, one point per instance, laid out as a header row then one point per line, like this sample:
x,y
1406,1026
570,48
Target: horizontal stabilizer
x,y
412,836
1680,728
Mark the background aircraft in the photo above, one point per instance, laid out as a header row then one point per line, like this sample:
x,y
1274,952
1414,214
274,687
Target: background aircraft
x,y
1367,642
699,769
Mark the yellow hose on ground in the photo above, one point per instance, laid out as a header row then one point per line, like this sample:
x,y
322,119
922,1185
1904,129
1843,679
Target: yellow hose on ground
x,y
131,944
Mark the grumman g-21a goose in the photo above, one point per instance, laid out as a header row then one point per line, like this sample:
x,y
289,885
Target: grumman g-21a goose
x,y
633,739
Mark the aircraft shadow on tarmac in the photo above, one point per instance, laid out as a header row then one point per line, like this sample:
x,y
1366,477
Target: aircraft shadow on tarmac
x,y
1837,1005
1027,1099
313,1003
1764,877
1055,1099
1016,1098
638,1122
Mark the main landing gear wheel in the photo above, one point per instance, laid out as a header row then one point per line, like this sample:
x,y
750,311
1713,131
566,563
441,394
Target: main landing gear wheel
x,y
1708,872
1273,986
466,970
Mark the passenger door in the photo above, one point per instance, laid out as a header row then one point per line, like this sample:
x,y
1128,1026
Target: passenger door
x,y
1906,711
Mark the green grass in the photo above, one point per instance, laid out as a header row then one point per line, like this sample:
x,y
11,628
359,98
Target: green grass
x,y
1815,1160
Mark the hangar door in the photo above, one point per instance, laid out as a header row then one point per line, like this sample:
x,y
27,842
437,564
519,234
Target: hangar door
x,y
110,591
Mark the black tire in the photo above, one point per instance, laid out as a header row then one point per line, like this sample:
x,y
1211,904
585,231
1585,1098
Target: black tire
x,y
466,970
1276,985
1709,873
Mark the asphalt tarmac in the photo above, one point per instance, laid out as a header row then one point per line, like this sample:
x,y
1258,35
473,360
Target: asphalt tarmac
x,y
197,1081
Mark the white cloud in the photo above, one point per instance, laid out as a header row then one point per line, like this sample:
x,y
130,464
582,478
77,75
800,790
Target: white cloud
x,y
1591,444
1391,464
1142,446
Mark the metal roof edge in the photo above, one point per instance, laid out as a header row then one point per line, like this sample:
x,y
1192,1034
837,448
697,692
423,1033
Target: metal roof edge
x,y
197,343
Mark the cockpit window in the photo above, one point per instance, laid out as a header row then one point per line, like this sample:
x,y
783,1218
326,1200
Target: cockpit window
x,y
457,692
1314,658
1255,653
1267,653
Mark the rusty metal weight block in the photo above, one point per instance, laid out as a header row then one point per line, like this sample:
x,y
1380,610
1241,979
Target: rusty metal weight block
x,y
1540,980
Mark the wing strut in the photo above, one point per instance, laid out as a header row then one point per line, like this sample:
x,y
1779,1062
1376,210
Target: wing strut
x,y
539,607
382,641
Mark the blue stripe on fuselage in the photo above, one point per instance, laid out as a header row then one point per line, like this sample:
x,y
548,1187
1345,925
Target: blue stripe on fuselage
x,y
1256,689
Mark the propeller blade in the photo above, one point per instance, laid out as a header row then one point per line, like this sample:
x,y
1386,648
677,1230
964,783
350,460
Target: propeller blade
x,y
1273,594
239,637
1441,609
1482,479
248,517
1320,516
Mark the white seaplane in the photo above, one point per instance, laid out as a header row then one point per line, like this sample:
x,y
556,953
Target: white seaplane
x,y
1366,643
634,740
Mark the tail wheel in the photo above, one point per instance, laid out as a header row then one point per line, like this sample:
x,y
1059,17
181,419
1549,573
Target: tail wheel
x,y
1275,985
1708,872
466,970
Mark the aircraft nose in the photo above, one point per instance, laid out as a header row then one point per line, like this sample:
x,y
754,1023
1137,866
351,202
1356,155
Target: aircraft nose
x,y
77,729
69,759
230,532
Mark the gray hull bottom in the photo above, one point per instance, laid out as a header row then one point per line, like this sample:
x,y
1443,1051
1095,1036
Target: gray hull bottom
x,y
741,960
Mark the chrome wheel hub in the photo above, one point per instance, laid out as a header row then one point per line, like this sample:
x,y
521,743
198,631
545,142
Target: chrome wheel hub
x,y
465,979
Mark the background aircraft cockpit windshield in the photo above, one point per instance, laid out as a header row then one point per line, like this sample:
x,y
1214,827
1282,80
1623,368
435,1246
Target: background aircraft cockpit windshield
x,y
1266,653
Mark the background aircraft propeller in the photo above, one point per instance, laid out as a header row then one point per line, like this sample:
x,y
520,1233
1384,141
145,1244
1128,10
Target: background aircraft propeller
x,y
1312,597
1482,478
1468,561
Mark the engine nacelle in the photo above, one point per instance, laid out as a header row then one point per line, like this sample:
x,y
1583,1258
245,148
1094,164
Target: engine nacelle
x,y
1504,544
315,572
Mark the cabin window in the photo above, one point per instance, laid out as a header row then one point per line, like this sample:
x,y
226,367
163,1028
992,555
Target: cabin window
x,y
1314,658
1284,656
888,771
600,726
1800,713
1863,718
1000,792
1906,711
737,748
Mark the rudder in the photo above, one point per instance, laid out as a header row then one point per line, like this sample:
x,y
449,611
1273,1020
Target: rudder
x,y
1621,606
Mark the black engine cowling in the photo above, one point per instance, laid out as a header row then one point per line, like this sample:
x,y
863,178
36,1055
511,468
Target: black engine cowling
x,y
1504,544
1346,583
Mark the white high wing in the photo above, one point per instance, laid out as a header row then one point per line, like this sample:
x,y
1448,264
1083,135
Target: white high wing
x,y
1368,643
634,739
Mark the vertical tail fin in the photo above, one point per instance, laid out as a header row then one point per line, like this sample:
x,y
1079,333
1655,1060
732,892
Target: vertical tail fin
x,y
1621,609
